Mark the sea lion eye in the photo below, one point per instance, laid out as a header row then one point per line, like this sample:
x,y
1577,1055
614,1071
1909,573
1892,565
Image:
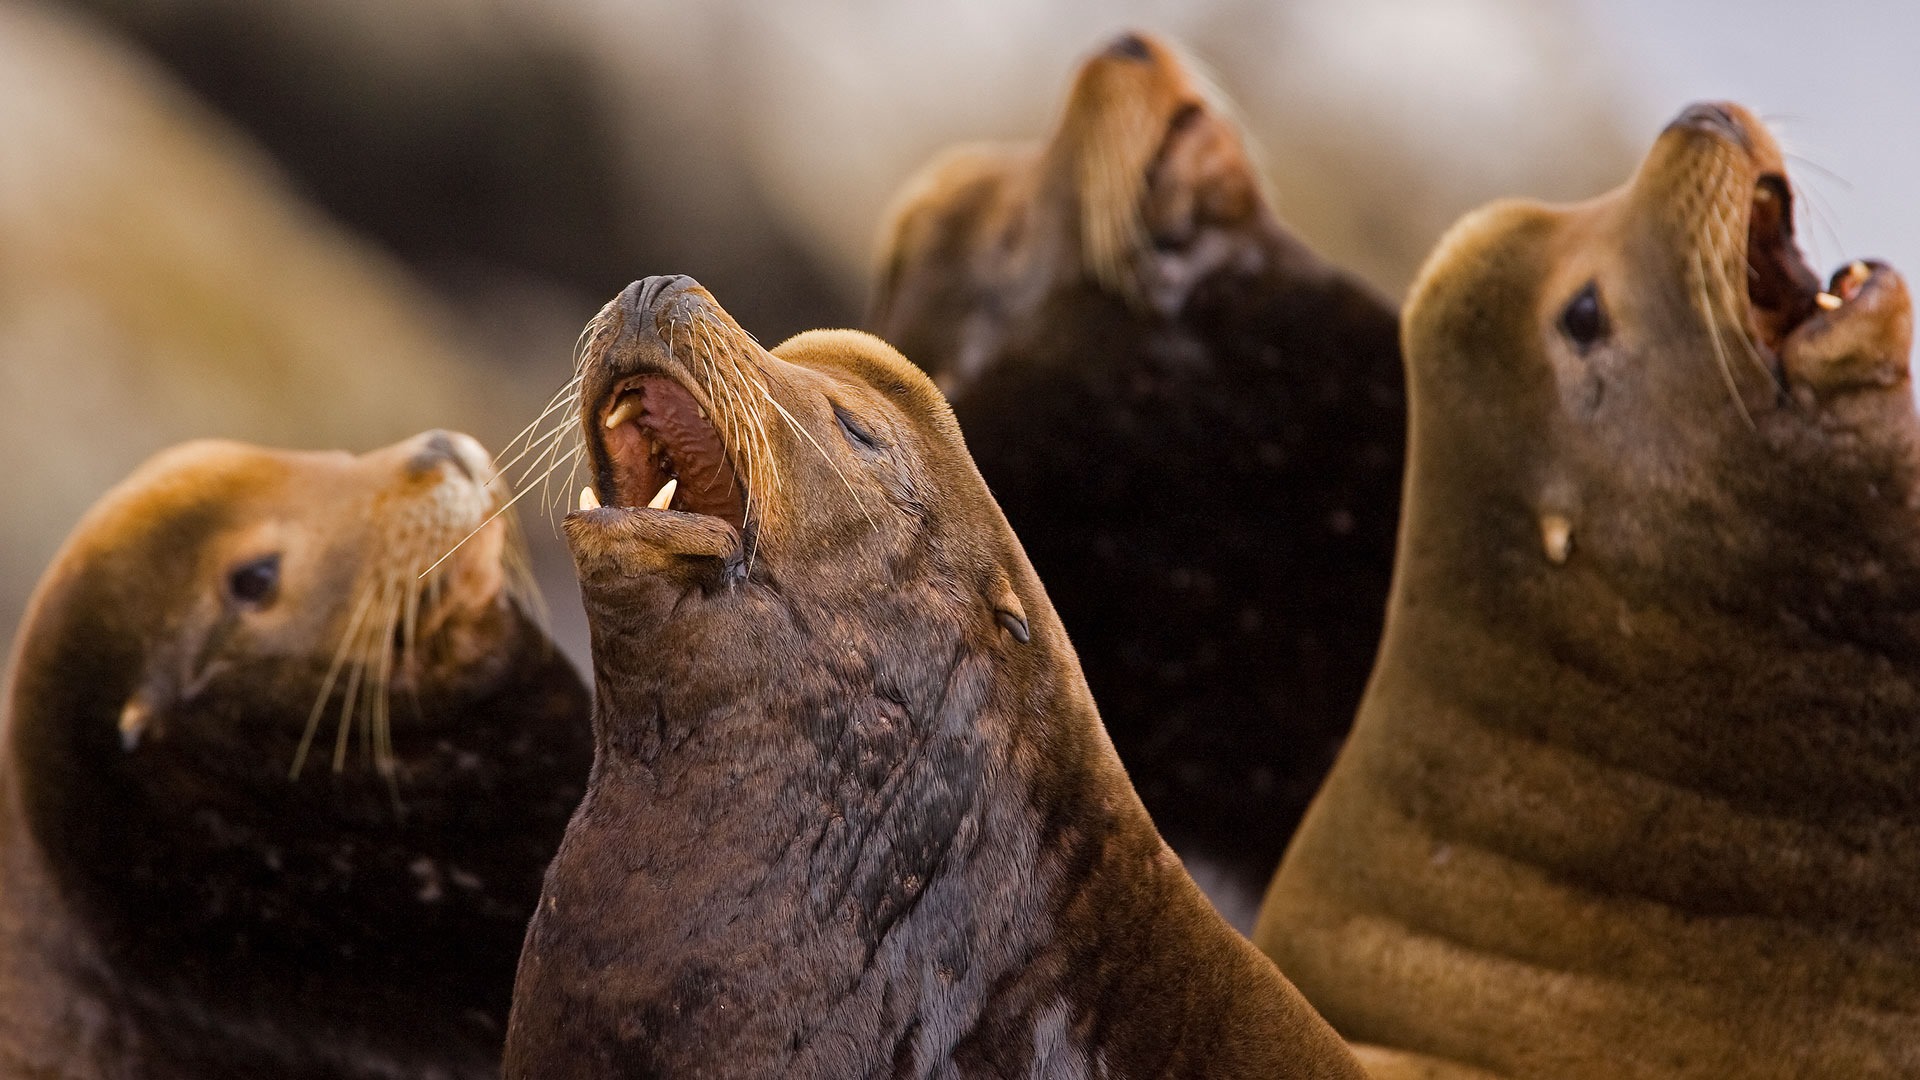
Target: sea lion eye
x,y
855,434
1584,321
255,582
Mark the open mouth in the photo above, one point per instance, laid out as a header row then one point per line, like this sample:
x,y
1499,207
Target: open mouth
x,y
663,452
1783,292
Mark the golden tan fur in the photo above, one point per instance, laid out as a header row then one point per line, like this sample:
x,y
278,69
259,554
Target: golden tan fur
x,y
1635,788
187,889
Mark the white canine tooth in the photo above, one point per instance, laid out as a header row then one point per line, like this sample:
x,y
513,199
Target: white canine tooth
x,y
588,500
1827,300
623,412
1858,272
665,496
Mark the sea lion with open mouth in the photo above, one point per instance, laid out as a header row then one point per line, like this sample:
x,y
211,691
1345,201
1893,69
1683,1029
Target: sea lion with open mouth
x,y
1194,423
1635,789
271,804
852,810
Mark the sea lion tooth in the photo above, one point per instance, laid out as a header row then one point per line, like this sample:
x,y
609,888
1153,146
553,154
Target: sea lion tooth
x,y
588,500
664,495
627,409
1556,536
1828,301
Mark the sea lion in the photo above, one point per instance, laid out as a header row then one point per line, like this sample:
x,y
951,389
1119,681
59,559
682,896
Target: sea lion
x,y
1195,424
271,804
852,811
1635,789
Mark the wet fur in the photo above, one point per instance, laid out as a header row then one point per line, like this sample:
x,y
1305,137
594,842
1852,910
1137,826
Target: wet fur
x,y
843,821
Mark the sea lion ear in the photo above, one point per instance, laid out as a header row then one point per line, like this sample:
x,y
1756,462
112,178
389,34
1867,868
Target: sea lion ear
x,y
1007,609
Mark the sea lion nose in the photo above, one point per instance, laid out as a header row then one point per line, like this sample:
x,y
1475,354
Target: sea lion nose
x,y
1128,46
646,294
439,446
1717,118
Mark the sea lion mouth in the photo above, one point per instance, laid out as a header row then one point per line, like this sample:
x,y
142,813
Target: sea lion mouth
x,y
663,453
1781,288
1856,329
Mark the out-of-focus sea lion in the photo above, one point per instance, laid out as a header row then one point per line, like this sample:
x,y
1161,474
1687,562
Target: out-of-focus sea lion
x,y
1195,424
852,811
1635,790
172,902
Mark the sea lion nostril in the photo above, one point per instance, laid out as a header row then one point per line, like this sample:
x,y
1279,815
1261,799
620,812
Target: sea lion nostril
x,y
1130,46
438,447
646,294
1713,117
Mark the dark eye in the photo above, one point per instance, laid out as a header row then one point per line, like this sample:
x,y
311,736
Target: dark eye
x,y
1584,321
255,582
855,434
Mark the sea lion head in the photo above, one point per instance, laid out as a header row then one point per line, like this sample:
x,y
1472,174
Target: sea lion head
x,y
1653,388
215,592
1143,190
761,507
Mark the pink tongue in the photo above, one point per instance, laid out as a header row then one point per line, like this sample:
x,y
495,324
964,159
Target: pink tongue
x,y
707,481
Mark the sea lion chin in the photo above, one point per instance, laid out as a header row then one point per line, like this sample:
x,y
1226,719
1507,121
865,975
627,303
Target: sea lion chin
x,y
852,812
1635,785
275,799
1194,423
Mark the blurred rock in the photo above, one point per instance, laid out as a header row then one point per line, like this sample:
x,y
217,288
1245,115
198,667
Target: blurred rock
x,y
754,145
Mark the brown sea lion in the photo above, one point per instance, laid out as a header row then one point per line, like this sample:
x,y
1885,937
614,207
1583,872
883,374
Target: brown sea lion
x,y
852,810
175,904
1635,789
1195,424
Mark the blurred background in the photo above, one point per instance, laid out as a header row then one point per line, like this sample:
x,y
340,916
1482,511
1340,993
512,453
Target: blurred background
x,y
334,224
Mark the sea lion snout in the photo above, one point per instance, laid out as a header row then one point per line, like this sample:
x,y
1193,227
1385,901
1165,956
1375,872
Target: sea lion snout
x,y
1128,46
433,449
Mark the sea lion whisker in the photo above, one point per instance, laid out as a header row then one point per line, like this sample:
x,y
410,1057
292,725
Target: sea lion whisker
x,y
1713,334
476,530
1728,294
349,700
550,497
739,413
347,638
549,445
380,714
568,393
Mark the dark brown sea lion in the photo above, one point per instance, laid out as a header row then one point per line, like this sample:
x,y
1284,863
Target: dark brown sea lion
x,y
1193,422
852,811
1635,789
172,903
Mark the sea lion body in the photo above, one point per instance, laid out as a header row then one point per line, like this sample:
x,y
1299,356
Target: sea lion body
x,y
173,903
852,810
1194,423
1635,789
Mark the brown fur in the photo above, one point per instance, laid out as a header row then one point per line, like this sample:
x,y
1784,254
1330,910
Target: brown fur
x,y
172,903
1193,422
853,812
1635,789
